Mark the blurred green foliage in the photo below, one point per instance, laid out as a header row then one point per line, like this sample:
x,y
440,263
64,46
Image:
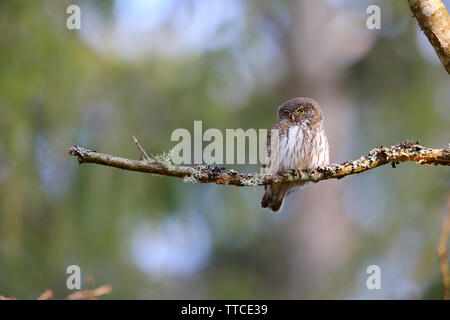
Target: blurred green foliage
x,y
58,90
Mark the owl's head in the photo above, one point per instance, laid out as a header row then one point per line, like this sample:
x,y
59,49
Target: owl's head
x,y
300,110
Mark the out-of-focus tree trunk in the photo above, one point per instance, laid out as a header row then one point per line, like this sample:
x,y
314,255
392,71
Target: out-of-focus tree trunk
x,y
322,43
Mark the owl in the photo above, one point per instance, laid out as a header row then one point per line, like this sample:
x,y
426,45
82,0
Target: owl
x,y
301,145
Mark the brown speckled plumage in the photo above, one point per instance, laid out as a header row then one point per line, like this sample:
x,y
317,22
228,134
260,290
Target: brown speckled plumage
x,y
302,145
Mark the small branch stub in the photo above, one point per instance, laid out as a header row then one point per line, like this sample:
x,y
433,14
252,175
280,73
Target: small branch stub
x,y
140,148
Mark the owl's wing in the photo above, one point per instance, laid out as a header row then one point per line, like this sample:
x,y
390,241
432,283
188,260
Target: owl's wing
x,y
271,152
266,164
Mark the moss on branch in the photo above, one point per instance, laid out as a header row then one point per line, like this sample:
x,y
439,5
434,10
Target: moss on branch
x,y
405,151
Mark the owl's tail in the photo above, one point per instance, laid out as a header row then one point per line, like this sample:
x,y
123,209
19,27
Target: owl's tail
x,y
271,202
274,196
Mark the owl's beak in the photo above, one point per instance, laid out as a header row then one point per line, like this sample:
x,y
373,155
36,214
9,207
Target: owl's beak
x,y
292,118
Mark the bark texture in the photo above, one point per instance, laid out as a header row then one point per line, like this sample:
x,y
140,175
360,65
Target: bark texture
x,y
405,151
434,21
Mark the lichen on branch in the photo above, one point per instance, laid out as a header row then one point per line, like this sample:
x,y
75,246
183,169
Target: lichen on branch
x,y
405,151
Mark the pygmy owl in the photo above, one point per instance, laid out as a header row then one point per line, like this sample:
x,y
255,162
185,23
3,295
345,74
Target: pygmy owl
x,y
302,145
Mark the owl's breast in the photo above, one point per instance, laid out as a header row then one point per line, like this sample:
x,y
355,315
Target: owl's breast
x,y
303,148
292,151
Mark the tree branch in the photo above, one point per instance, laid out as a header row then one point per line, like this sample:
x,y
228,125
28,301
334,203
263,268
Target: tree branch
x,y
405,151
434,20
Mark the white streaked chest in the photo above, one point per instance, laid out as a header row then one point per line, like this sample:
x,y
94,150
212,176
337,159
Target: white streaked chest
x,y
291,153
303,149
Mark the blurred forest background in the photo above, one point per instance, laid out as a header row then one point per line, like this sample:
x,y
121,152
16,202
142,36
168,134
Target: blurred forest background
x,y
149,67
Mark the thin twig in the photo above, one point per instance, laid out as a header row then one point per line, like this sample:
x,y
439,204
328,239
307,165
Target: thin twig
x,y
405,151
140,148
47,294
442,252
90,294
78,295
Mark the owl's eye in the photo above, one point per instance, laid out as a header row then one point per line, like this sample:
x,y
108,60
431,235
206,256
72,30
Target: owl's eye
x,y
301,111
